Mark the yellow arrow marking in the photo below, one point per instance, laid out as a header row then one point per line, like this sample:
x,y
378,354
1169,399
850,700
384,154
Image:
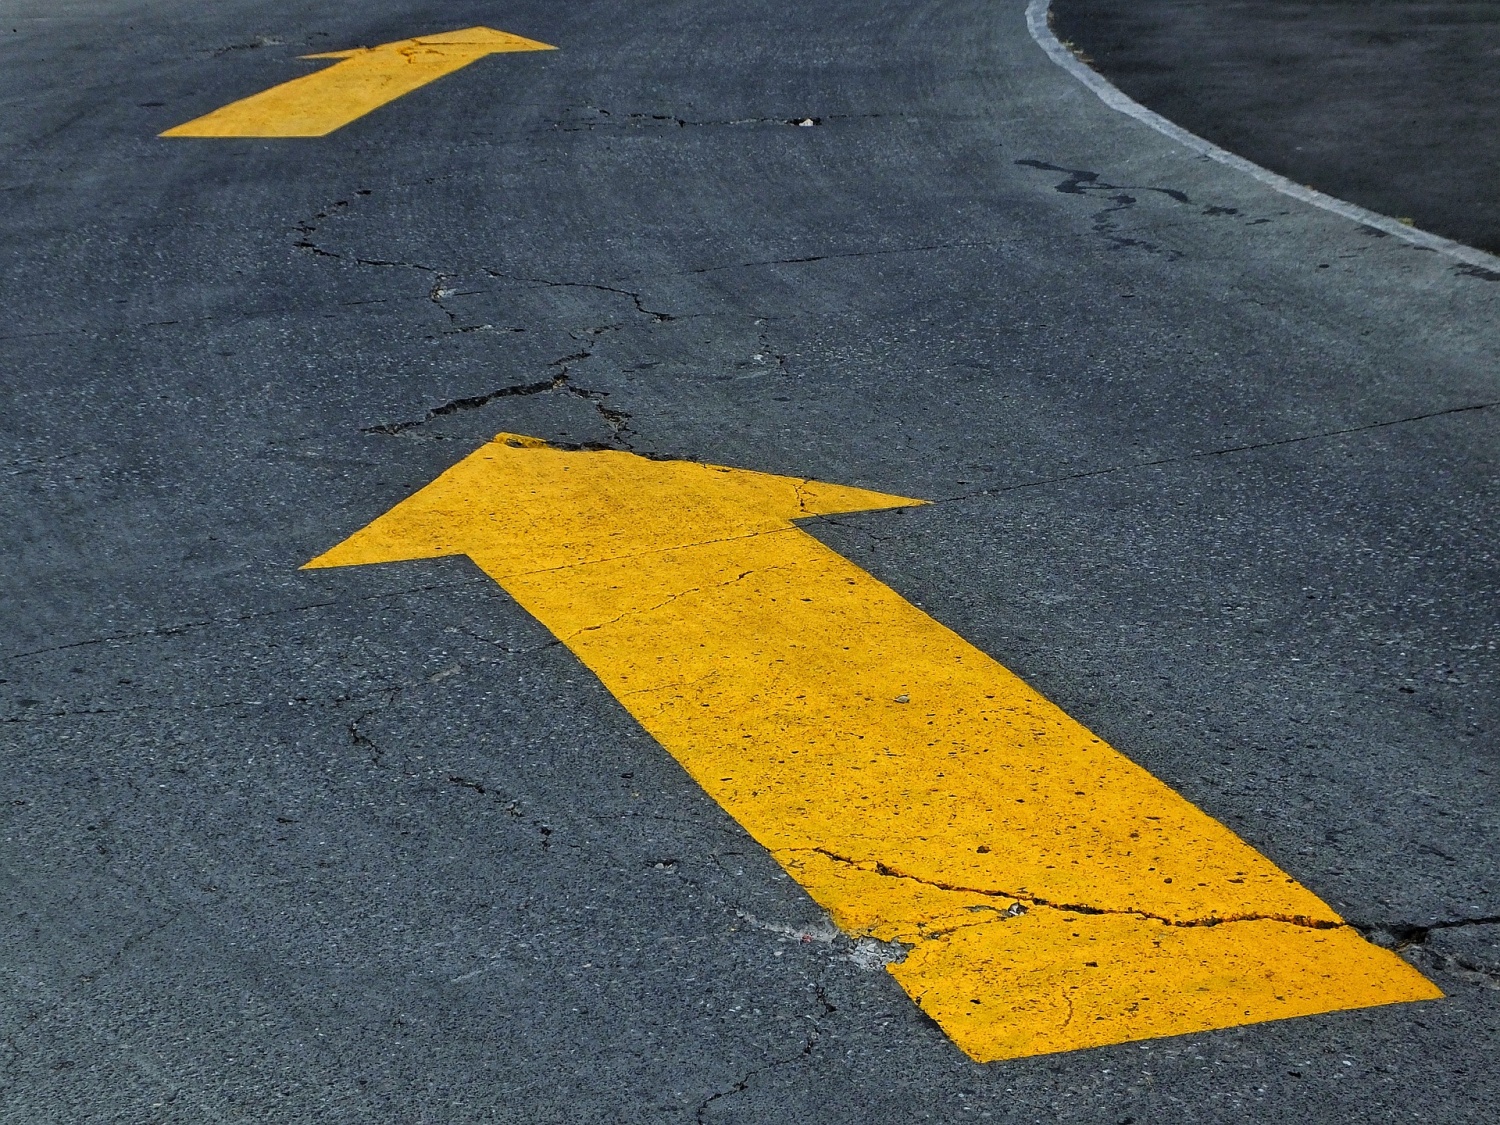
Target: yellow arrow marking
x,y
368,77
1053,894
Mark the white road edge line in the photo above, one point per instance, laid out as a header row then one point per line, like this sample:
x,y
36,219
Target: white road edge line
x,y
1110,95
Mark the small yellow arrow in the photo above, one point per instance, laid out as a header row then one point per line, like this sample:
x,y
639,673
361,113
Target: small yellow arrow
x,y
368,77
1053,895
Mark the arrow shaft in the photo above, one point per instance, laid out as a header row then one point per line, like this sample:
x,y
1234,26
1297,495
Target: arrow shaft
x,y
1051,893
317,104
770,667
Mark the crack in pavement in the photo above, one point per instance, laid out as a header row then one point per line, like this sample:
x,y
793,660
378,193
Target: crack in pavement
x,y
638,611
648,553
835,255
309,227
618,421
41,717
373,751
1068,1000
1033,900
1083,182
667,120
656,315
1201,454
471,402
70,994
389,691
740,1085
505,648
1404,935
22,465
129,944
439,293
254,45
238,619
89,976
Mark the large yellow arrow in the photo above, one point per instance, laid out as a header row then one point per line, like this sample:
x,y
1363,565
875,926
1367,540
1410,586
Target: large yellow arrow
x,y
368,77
1053,894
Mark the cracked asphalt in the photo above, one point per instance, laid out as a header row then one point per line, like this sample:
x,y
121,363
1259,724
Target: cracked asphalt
x,y
1214,471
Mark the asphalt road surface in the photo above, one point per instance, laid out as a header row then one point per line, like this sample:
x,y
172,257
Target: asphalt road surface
x,y
1217,476
1392,105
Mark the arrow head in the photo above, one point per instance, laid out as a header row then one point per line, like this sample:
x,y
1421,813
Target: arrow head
x,y
523,506
471,41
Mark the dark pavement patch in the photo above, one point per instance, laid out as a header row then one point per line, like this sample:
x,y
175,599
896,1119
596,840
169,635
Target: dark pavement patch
x,y
1392,105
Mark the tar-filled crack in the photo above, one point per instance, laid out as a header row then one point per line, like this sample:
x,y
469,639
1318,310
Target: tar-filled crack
x,y
1479,272
1036,901
1081,181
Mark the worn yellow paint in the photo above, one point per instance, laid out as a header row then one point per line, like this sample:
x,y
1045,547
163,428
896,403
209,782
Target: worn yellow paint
x,y
1053,894
366,78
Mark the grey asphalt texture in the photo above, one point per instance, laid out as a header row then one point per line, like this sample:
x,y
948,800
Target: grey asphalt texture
x,y
1391,104
1217,471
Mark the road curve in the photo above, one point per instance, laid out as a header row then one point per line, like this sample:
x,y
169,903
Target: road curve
x,y
1435,199
1212,469
1392,106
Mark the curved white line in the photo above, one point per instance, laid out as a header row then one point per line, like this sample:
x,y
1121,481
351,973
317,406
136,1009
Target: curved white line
x,y
1036,22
